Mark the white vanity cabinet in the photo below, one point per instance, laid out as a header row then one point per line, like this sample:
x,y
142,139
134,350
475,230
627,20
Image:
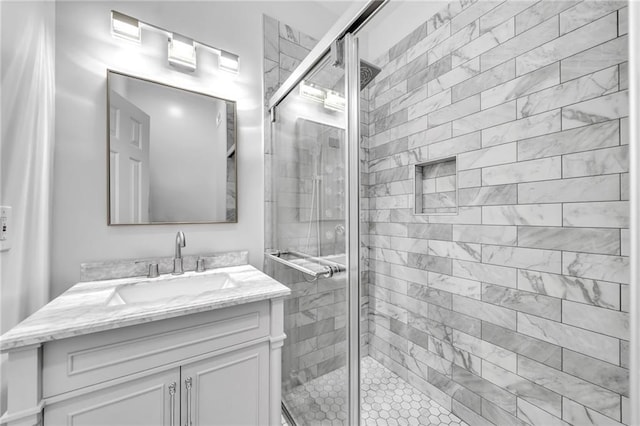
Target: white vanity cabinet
x,y
220,367
144,401
223,390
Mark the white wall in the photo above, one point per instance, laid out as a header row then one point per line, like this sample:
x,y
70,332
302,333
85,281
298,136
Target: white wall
x,y
84,51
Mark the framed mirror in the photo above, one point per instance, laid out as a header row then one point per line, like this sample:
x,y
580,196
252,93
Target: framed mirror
x,y
171,154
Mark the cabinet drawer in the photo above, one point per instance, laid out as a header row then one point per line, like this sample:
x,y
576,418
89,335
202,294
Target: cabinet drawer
x,y
77,362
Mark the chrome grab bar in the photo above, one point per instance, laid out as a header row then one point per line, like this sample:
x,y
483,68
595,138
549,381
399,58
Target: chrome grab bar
x,y
329,268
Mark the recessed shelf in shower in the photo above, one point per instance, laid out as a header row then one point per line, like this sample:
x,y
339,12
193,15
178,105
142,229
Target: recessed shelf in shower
x,y
436,187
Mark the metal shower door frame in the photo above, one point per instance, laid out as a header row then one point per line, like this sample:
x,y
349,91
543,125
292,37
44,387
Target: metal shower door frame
x,y
352,222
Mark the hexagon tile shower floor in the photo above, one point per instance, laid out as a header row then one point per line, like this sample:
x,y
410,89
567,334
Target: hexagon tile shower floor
x,y
386,400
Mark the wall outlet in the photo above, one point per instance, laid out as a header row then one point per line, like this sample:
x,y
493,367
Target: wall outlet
x,y
6,225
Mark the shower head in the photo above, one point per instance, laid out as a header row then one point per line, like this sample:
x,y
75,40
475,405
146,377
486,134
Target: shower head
x,y
368,72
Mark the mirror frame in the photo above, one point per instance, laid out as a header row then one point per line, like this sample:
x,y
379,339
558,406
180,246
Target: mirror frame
x,y
108,144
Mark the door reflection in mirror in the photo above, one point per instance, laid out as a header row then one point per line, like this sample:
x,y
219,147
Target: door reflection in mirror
x,y
172,154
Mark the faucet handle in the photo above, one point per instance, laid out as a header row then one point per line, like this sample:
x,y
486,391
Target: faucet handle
x,y
200,265
153,270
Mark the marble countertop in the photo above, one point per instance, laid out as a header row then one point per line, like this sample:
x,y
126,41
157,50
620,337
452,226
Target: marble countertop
x,y
85,307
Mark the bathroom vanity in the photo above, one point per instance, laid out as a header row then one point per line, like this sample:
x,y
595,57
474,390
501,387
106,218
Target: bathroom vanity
x,y
201,349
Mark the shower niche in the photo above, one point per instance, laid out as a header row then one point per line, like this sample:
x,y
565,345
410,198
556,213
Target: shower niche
x,y
436,187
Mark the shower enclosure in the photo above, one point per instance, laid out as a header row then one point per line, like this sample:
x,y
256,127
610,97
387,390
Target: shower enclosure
x,y
450,210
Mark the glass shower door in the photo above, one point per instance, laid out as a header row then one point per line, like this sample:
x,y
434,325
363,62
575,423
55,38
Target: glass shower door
x,y
308,245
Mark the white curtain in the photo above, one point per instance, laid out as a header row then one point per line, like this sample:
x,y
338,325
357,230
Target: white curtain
x,y
27,122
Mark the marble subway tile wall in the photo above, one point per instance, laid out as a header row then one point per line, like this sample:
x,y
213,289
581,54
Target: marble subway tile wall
x,y
515,310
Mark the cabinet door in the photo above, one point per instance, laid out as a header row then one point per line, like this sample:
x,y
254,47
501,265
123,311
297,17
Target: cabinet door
x,y
147,401
229,389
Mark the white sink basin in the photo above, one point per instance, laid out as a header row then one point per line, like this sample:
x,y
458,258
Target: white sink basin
x,y
164,289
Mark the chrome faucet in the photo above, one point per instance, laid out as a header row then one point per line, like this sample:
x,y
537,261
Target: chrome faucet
x,y
177,259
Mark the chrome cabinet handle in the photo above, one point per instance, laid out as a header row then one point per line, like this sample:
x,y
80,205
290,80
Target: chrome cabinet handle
x,y
172,403
187,385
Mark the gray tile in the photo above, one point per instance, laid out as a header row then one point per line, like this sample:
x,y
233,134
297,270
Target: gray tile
x,y
583,290
523,171
488,195
595,371
598,241
430,295
501,154
485,80
598,398
536,349
586,12
500,416
505,11
485,311
486,118
455,250
577,339
597,162
429,263
431,40
526,214
614,214
588,87
522,301
456,391
539,13
468,415
605,321
569,44
486,234
430,104
534,415
524,128
536,36
454,111
532,82
431,231
577,414
485,389
455,320
598,57
458,74
523,388
408,41
500,275
596,110
485,42
525,258
596,188
576,140
431,72
458,39
471,13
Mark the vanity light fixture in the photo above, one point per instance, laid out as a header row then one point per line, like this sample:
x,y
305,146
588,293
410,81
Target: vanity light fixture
x,y
181,49
182,52
125,27
228,62
309,91
334,101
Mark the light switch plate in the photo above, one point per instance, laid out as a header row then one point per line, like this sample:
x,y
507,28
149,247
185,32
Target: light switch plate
x,y
5,228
